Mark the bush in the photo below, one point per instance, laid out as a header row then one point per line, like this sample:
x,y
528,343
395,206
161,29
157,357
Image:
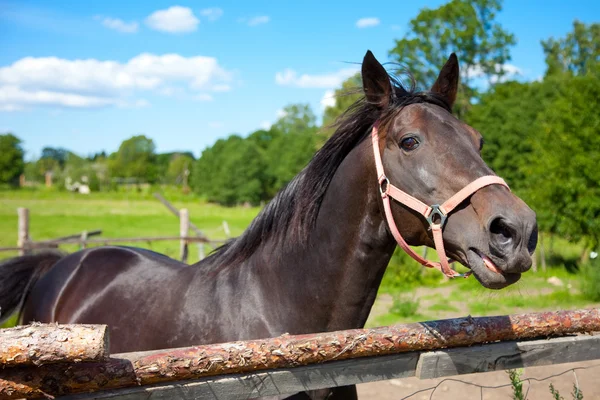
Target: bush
x,y
404,306
590,280
403,272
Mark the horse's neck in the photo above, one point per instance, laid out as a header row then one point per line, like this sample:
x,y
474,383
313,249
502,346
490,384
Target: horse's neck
x,y
340,269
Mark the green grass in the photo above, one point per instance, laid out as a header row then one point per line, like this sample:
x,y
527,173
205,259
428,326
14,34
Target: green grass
x,y
53,214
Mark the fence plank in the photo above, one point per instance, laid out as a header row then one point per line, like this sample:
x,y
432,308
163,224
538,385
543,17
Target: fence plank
x,y
46,245
273,383
507,355
484,358
149,368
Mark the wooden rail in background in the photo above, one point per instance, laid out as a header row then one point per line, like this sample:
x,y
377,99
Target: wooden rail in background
x,y
26,245
288,364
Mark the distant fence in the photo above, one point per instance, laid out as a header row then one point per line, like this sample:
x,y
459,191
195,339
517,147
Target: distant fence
x,y
289,364
26,245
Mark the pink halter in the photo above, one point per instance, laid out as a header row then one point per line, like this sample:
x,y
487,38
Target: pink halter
x,y
435,215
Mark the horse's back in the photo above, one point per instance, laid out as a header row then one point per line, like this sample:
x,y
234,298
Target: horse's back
x,y
125,288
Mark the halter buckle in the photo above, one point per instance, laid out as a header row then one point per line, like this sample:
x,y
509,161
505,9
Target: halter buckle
x,y
436,216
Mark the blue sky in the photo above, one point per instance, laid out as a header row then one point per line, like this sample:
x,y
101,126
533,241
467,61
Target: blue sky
x,y
87,75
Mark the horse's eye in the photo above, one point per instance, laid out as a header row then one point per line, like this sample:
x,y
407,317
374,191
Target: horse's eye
x,y
409,143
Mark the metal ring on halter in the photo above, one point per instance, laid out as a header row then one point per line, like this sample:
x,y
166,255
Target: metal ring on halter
x,y
436,211
384,181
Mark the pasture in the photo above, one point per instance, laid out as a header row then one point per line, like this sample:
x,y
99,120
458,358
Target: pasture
x,y
408,292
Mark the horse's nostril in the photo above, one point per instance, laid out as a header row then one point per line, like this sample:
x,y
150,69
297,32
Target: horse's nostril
x,y
501,233
532,242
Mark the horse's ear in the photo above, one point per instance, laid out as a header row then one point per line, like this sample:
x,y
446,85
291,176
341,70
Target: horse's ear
x,y
376,81
447,81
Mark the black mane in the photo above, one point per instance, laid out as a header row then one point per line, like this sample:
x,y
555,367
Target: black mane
x,y
290,216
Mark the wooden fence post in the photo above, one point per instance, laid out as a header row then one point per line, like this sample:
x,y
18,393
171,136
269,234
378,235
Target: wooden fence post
x,y
184,226
84,236
226,229
542,252
201,254
23,234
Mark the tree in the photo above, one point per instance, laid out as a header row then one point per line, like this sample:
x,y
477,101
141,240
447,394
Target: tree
x,y
345,96
179,165
11,159
465,27
578,53
296,118
135,158
564,173
506,116
59,155
230,172
292,146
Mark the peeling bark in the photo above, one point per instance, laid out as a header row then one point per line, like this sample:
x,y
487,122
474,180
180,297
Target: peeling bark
x,y
40,344
146,368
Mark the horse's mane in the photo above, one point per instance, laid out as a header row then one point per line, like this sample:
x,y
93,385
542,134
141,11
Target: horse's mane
x,y
290,216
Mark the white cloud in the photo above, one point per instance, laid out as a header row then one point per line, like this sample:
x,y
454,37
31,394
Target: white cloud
x,y
266,125
289,77
14,98
203,97
221,88
510,71
367,22
262,19
216,124
175,19
328,99
120,25
212,14
93,83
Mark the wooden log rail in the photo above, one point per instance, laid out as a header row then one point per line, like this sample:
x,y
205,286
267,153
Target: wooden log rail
x,y
150,368
43,344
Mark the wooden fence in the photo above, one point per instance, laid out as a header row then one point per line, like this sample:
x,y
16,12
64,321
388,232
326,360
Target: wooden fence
x,y
288,364
26,245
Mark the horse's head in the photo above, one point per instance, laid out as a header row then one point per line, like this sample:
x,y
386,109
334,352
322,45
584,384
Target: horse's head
x,y
430,155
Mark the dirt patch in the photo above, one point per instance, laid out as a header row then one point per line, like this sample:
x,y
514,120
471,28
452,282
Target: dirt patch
x,y
469,386
396,389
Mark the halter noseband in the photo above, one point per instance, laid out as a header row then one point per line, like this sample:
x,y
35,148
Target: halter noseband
x,y
435,215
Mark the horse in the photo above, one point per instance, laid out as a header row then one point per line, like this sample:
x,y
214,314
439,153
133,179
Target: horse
x,y
313,258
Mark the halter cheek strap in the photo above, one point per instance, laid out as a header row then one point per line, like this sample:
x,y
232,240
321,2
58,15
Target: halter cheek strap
x,y
435,214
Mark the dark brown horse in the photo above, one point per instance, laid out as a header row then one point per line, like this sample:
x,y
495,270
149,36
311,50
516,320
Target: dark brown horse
x,y
313,259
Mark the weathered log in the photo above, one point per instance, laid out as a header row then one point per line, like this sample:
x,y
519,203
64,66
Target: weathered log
x,y
146,368
39,344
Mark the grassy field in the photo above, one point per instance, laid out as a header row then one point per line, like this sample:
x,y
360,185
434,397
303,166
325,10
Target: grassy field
x,y
407,294
119,215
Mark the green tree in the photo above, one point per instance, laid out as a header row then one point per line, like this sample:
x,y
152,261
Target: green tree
x,y
231,172
345,96
11,159
179,165
564,177
59,155
135,158
505,116
292,146
578,53
296,118
465,27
